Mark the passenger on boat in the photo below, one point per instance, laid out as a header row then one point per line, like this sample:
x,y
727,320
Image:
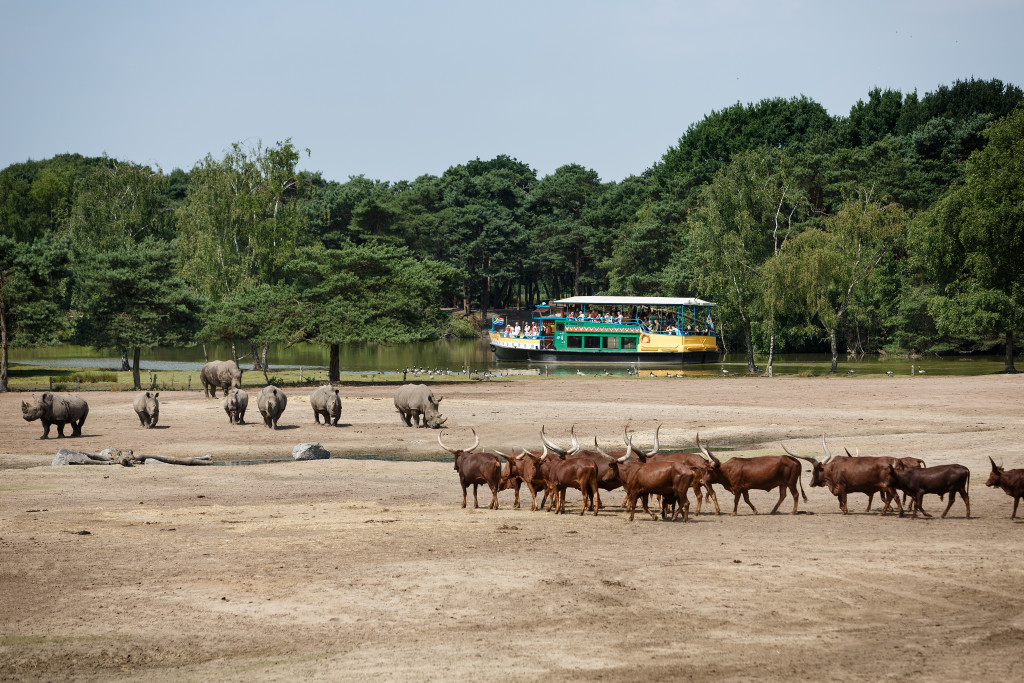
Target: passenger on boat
x,y
619,318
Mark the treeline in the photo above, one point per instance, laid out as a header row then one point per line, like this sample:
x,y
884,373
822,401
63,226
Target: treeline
x,y
896,228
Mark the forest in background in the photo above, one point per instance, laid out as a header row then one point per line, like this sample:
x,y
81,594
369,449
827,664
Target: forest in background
x,y
898,228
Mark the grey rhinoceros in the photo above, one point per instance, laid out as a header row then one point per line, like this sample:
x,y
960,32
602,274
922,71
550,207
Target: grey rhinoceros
x,y
271,402
325,401
147,407
235,404
414,401
220,373
57,409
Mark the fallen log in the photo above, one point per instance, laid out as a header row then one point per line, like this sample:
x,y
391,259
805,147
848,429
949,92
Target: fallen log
x,y
124,457
199,460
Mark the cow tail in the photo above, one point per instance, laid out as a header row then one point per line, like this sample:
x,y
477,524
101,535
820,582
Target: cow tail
x,y
800,476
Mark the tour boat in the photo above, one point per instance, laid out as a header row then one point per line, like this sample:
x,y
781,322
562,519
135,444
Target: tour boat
x,y
640,330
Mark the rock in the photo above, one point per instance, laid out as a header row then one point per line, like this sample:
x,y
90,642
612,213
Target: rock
x,y
310,451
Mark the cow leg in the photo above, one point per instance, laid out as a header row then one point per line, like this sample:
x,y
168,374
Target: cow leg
x,y
736,505
842,501
648,510
518,485
871,497
476,504
597,497
746,499
714,499
632,505
494,497
792,492
1016,502
782,497
919,504
464,489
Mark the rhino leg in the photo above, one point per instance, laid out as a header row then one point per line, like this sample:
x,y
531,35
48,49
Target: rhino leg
x,y
405,417
316,416
60,429
46,430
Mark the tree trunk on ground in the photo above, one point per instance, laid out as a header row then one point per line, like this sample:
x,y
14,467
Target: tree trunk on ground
x,y
334,369
135,369
1010,369
835,350
255,355
771,355
124,359
234,354
206,354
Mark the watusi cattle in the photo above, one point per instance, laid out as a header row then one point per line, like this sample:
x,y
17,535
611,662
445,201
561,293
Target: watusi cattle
x,y
940,480
475,469
1010,481
764,473
577,473
844,476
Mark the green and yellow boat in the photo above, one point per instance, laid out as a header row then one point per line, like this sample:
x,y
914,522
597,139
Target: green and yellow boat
x,y
651,330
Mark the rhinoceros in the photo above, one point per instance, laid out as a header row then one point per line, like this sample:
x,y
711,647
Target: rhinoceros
x,y
147,408
271,402
220,373
235,404
416,400
57,409
326,401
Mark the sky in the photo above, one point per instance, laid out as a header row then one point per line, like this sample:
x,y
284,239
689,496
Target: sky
x,y
393,90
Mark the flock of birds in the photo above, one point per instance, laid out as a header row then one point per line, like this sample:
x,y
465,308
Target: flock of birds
x,y
632,371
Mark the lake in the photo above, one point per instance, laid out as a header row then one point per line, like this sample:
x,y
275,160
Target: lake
x,y
461,353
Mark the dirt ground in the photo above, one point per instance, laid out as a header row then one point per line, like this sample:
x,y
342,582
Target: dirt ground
x,y
352,568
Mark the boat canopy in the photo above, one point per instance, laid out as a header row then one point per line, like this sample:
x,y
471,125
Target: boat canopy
x,y
632,301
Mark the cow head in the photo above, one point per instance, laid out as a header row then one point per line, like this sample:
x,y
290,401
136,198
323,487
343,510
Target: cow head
x,y
459,452
613,462
996,475
817,466
713,472
630,448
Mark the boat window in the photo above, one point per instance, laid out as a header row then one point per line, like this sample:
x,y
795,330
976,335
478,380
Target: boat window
x,y
560,327
628,343
611,342
574,341
592,342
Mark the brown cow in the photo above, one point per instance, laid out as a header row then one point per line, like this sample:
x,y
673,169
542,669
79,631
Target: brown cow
x,y
523,468
740,475
905,462
1010,481
559,474
940,479
476,469
666,478
687,460
844,476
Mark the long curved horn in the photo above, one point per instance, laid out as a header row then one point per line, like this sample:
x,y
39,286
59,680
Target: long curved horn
x,y
630,448
548,444
995,468
828,453
856,452
544,455
575,444
707,452
657,444
441,444
475,443
812,460
603,454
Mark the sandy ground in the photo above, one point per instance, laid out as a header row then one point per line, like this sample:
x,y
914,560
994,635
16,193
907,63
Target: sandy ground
x,y
351,568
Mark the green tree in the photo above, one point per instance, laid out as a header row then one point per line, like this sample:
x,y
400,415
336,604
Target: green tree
x,y
33,301
743,219
120,203
374,292
828,267
131,297
972,242
239,223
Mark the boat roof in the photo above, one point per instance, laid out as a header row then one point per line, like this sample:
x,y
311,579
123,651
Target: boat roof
x,y
633,301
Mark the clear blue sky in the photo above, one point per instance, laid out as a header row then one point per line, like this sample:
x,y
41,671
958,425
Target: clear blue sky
x,y
393,90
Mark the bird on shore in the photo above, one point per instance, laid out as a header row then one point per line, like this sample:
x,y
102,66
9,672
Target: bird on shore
x,y
889,373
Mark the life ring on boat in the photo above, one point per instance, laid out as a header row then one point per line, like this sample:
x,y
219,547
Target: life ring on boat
x,y
645,339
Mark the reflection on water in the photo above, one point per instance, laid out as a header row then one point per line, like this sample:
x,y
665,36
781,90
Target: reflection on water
x,y
458,354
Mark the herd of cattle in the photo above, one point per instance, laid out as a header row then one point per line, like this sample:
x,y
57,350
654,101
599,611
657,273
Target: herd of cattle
x,y
671,476
554,469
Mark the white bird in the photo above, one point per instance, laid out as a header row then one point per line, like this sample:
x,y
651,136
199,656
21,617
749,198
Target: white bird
x,y
889,373
724,371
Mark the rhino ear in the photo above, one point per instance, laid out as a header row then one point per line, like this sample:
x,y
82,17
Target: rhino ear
x,y
438,400
47,397
156,394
